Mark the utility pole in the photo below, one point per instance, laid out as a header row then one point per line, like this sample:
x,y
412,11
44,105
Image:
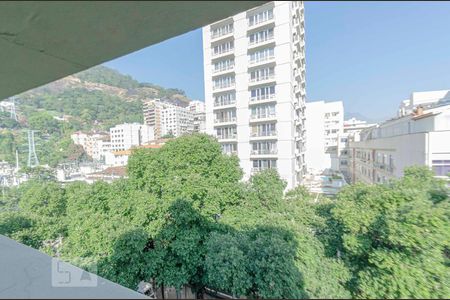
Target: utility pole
x,y
17,161
12,109
32,157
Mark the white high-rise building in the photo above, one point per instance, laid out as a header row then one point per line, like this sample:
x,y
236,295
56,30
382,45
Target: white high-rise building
x,y
127,135
254,65
324,126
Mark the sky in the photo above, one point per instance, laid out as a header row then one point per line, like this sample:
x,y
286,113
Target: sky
x,y
370,55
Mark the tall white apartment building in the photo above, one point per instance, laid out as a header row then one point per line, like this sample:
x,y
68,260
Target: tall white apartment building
x,y
197,108
127,135
324,126
424,99
167,118
254,65
420,138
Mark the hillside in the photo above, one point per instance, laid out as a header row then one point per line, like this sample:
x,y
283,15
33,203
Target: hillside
x,y
95,99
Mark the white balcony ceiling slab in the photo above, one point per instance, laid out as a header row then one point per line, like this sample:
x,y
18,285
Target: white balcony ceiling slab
x,y
42,41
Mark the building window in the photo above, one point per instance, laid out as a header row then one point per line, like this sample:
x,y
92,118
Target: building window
x,y
261,55
220,31
441,167
262,93
260,17
260,37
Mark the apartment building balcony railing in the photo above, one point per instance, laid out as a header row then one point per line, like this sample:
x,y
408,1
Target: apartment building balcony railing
x,y
262,116
223,52
223,68
262,79
224,103
224,86
264,134
231,136
261,22
261,41
221,34
259,169
262,60
262,98
225,120
263,152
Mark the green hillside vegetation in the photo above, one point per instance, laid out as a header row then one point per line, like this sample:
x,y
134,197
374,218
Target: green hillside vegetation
x,y
185,217
83,109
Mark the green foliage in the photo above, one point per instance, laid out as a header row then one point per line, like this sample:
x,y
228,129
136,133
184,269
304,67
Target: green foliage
x,y
44,122
192,168
7,122
185,217
105,75
394,237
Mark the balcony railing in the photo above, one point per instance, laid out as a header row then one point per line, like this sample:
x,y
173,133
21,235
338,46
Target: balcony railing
x,y
261,59
262,116
225,120
260,41
214,54
262,97
258,169
227,136
223,103
262,78
262,20
264,151
218,34
224,86
223,68
264,134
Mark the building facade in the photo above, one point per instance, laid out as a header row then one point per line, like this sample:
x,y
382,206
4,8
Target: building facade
x,y
128,135
254,66
167,118
352,129
197,109
424,99
324,126
384,151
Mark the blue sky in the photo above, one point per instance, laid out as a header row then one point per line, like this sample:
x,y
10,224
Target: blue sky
x,y
371,55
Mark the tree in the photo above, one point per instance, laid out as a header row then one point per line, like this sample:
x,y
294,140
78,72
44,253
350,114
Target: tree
x,y
192,168
395,236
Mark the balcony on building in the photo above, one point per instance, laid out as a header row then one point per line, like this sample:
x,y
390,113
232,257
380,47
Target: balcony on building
x,y
222,53
222,32
270,59
264,135
259,22
224,104
259,169
262,153
227,137
223,70
225,121
262,42
263,117
262,99
224,87
261,80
